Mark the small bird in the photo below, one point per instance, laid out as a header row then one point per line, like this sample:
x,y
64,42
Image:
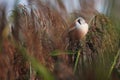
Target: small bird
x,y
76,33
78,29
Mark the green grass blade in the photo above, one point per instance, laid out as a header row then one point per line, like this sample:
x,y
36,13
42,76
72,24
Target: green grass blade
x,y
113,64
77,60
57,53
39,68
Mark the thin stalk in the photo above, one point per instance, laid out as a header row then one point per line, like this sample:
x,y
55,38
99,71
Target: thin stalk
x,y
91,20
113,64
77,60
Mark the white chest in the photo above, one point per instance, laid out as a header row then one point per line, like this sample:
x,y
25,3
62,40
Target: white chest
x,y
82,27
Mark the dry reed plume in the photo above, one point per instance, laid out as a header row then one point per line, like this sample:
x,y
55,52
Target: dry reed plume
x,y
41,30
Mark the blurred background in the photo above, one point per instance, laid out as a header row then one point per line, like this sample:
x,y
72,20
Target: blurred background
x,y
70,6
34,45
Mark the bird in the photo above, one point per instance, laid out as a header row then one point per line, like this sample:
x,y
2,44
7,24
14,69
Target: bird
x,y
78,29
76,34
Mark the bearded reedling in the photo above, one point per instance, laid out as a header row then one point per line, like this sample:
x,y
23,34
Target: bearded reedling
x,y
78,29
77,32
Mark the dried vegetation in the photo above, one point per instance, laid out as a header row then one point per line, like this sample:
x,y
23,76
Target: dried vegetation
x,y
41,30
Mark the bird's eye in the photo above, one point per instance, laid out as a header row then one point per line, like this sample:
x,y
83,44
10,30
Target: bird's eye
x,y
79,21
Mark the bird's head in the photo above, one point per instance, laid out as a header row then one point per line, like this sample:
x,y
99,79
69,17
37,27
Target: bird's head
x,y
79,28
79,21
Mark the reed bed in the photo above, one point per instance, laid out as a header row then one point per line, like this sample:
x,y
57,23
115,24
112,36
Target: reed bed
x,y
35,45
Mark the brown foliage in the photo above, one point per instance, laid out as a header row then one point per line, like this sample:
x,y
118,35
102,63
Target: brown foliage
x,y
41,31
